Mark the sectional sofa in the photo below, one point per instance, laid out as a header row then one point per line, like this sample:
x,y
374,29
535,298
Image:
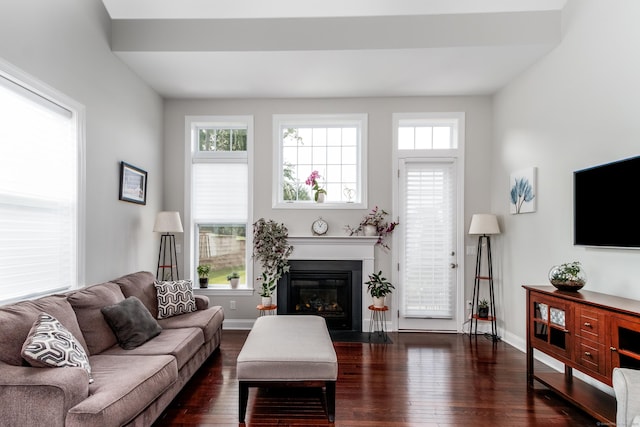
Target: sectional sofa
x,y
126,376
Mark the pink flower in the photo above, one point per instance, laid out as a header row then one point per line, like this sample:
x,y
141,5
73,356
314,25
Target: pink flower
x,y
312,178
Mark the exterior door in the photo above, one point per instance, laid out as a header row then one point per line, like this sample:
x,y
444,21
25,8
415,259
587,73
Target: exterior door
x,y
427,263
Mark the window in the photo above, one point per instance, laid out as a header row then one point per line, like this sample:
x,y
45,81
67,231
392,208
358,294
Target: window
x,y
40,167
332,145
420,133
220,196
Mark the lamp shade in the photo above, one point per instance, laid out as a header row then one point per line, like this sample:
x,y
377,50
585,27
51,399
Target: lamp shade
x,y
168,222
484,224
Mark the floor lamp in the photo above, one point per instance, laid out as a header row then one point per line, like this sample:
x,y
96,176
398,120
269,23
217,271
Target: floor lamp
x,y
167,223
484,225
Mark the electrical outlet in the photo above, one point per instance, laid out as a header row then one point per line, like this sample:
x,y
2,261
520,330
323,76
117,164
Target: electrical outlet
x,y
178,248
232,305
469,303
471,250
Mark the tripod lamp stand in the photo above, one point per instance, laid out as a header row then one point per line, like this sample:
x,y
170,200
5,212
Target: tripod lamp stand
x,y
167,223
484,225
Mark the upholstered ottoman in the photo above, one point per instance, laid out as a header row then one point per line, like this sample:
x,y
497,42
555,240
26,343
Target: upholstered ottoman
x,y
288,350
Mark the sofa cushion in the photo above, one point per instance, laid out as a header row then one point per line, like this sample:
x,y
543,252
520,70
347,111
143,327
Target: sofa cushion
x,y
131,322
50,344
141,285
208,320
16,321
180,343
124,386
174,298
87,304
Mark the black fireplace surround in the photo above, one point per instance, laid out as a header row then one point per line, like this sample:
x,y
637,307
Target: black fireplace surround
x,y
331,289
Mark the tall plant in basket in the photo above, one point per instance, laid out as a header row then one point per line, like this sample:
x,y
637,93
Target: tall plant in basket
x,y
272,249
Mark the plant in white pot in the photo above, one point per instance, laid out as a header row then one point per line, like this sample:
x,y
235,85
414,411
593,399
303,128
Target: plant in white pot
x,y
272,249
233,279
374,223
378,287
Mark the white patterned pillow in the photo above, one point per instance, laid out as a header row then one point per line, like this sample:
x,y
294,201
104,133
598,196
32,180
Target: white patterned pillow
x,y
50,344
175,297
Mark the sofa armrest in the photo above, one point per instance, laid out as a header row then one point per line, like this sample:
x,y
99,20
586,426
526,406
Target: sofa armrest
x,y
626,385
40,396
202,302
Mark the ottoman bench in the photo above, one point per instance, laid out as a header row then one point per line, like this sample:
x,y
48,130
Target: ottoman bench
x,y
288,350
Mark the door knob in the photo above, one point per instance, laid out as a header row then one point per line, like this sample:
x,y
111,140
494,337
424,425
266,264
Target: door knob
x,y
453,265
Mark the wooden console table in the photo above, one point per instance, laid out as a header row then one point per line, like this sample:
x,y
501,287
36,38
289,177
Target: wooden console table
x,y
587,331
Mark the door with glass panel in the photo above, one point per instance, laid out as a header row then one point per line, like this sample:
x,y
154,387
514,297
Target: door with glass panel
x,y
427,266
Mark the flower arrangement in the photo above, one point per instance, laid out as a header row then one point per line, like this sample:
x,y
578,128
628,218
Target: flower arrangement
x,y
312,180
378,219
271,247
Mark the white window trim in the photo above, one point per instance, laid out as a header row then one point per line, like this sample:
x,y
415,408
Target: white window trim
x,y
321,119
191,123
14,74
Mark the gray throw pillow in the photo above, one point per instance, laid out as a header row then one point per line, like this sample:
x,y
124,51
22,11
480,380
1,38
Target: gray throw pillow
x,y
131,322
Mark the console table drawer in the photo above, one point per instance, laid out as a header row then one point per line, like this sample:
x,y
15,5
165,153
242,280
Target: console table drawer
x,y
590,355
589,323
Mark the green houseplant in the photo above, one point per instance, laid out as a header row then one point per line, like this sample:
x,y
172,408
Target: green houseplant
x,y
374,223
203,274
272,249
378,287
569,276
483,309
233,279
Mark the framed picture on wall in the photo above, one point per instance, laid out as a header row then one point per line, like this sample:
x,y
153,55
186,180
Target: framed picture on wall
x,y
133,184
523,191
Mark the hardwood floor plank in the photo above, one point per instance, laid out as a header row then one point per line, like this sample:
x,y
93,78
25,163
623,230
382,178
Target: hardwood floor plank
x,y
422,379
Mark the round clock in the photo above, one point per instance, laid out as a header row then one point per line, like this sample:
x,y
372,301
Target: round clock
x,y
319,227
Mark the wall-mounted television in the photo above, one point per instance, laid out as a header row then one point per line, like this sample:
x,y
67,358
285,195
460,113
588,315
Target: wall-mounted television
x,y
605,209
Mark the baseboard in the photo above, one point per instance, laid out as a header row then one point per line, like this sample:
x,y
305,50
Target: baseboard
x,y
238,324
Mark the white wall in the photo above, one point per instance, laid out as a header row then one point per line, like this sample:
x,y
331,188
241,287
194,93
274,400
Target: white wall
x,y
65,44
379,110
575,108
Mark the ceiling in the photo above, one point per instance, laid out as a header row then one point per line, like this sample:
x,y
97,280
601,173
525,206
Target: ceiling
x,y
331,48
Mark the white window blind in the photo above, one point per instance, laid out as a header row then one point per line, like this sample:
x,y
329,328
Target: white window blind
x,y
38,194
429,286
220,192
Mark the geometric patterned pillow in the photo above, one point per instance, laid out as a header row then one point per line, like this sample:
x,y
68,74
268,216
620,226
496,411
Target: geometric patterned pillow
x,y
50,344
175,297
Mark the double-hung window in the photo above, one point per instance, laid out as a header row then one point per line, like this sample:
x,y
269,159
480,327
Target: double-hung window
x,y
41,162
333,146
220,196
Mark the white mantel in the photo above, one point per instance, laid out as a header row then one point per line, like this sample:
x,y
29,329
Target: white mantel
x,y
342,248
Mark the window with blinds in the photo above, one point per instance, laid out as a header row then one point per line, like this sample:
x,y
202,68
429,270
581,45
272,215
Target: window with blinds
x,y
39,191
220,196
428,284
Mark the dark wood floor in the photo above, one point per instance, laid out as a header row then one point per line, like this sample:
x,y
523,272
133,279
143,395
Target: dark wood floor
x,y
421,379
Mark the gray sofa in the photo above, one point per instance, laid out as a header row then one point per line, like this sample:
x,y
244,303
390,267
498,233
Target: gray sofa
x,y
130,387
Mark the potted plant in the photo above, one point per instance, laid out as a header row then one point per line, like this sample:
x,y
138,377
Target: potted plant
x,y
569,276
272,249
378,287
319,192
233,279
374,223
483,309
203,274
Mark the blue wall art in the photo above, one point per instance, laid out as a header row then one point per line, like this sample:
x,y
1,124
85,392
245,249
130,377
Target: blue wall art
x,y
522,191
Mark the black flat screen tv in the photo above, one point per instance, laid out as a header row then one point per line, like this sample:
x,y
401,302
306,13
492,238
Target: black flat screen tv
x,y
605,212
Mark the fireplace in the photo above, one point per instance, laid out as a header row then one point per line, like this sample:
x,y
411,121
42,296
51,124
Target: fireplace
x,y
328,288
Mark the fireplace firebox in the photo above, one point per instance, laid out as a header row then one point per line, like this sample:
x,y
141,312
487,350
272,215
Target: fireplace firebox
x,y
330,289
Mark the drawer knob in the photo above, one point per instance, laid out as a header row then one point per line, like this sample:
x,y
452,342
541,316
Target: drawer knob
x,y
613,349
588,354
587,324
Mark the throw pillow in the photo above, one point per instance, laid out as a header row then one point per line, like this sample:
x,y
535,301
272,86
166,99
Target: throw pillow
x,y
50,344
131,322
175,297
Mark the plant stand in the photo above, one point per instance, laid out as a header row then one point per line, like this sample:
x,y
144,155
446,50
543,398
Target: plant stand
x,y
479,278
377,321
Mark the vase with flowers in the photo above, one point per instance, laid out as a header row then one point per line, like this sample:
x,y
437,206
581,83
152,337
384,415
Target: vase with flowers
x,y
319,192
374,223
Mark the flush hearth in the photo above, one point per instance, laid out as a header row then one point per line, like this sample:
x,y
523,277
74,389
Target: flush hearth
x,y
330,289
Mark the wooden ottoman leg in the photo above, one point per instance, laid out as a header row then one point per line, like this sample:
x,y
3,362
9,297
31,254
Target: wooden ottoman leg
x,y
243,397
331,400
